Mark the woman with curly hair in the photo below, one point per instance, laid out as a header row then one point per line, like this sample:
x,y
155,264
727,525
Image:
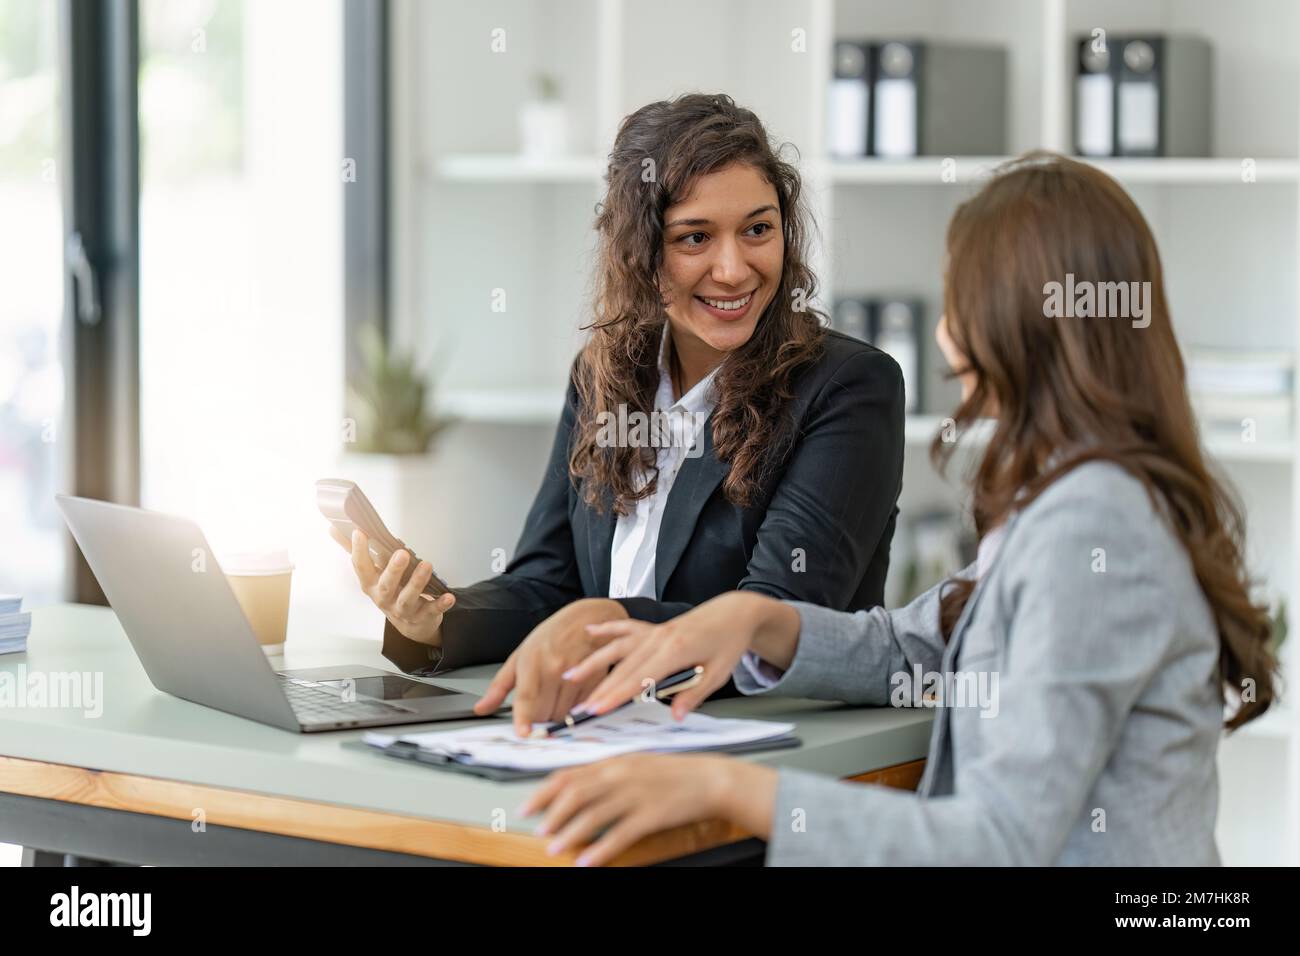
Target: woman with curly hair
x,y
716,436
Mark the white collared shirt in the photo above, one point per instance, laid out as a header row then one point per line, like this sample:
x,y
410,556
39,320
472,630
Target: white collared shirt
x,y
636,535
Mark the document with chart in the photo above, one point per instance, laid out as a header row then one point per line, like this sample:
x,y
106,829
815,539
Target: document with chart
x,y
643,727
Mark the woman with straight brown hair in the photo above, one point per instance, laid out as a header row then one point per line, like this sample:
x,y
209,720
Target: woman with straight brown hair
x,y
1105,622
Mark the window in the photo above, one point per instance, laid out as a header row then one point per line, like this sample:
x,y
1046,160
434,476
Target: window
x,y
241,325
32,563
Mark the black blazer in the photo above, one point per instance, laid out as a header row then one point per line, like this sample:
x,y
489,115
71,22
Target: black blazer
x,y
819,531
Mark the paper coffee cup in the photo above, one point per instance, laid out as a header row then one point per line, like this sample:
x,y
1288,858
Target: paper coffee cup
x,y
260,580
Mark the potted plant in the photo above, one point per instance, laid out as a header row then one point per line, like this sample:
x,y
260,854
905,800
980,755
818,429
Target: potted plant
x,y
544,121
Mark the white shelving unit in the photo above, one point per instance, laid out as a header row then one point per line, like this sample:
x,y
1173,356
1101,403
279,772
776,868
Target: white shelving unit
x,y
472,217
502,406
490,168
1128,171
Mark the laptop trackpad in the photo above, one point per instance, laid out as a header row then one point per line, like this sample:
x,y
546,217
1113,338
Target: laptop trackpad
x,y
369,682
391,688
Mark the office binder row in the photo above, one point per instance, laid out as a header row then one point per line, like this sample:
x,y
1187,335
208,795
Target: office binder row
x,y
1138,95
897,99
1143,96
893,325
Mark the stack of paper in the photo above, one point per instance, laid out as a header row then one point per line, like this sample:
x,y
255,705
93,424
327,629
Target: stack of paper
x,y
644,727
14,624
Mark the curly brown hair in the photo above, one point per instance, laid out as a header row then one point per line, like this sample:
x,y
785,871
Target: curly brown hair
x,y
1098,390
681,140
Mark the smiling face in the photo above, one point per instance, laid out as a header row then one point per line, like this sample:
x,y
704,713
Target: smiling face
x,y
723,254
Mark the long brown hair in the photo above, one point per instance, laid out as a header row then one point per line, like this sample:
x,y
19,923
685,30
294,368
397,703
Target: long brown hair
x,y
659,153
1102,385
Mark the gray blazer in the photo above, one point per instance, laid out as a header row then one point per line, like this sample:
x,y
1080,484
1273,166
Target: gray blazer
x,y
1092,739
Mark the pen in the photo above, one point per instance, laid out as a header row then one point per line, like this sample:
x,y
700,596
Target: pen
x,y
673,684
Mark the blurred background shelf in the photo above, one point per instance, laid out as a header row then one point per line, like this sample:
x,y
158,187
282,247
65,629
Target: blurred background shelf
x,y
511,168
504,406
542,407
1175,171
922,429
938,170
1230,449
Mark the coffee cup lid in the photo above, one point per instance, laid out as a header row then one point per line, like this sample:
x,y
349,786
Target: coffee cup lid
x,y
256,562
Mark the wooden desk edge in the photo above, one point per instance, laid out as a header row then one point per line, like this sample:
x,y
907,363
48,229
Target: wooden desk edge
x,y
374,829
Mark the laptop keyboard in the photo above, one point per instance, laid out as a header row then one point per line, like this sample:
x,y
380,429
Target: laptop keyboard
x,y
313,703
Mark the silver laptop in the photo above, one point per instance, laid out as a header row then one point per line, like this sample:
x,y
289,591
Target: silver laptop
x,y
195,642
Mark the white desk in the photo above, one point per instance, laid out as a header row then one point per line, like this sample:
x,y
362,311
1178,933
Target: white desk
x,y
128,784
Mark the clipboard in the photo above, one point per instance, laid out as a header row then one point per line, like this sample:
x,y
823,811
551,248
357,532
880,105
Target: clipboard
x,y
404,750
